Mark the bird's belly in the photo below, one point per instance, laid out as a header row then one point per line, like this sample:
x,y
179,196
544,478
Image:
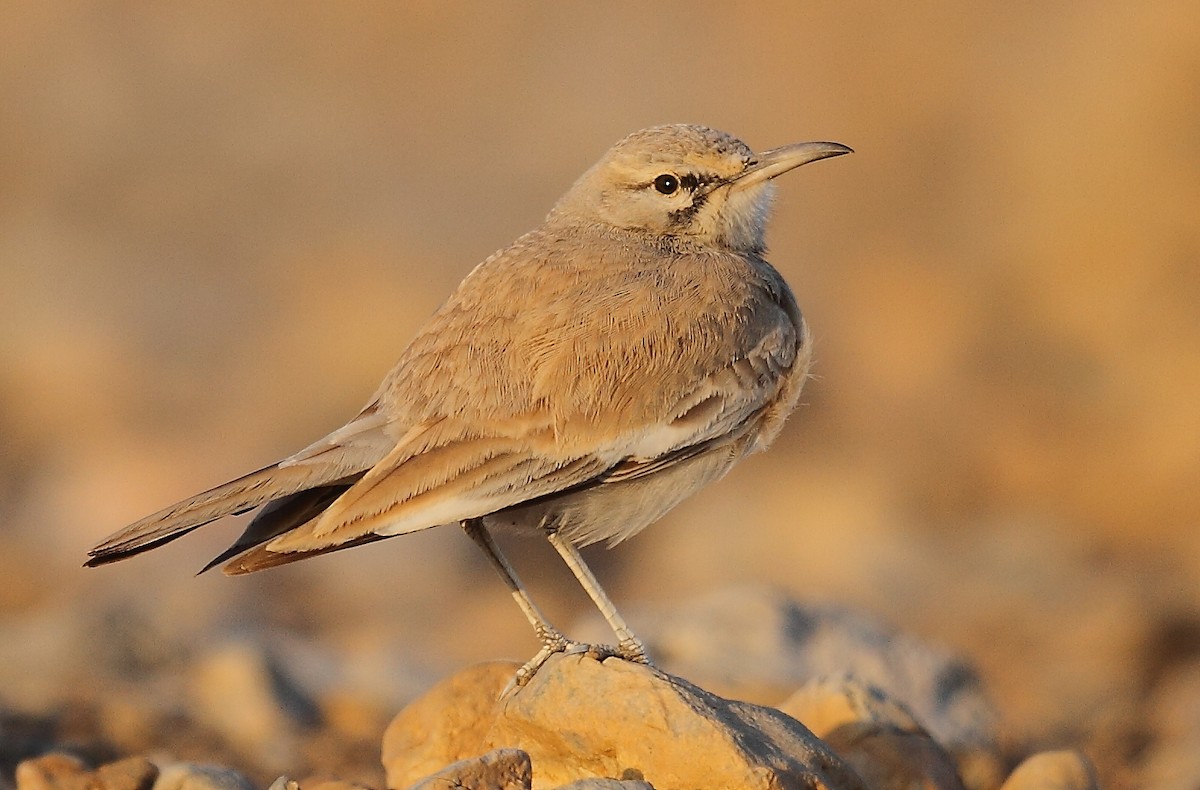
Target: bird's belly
x,y
613,512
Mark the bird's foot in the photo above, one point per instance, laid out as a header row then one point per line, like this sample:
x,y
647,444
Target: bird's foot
x,y
552,642
630,649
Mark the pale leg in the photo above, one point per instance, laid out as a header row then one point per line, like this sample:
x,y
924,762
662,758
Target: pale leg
x,y
629,646
551,638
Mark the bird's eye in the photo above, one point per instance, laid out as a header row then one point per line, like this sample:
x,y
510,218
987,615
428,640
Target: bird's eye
x,y
667,184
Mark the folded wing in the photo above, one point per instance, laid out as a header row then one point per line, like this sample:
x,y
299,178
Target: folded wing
x,y
335,461
449,473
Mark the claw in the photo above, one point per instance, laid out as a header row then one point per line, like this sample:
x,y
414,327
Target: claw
x,y
554,642
601,652
632,649
529,669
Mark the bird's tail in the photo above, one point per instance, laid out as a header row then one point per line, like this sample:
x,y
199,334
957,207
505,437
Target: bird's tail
x,y
237,496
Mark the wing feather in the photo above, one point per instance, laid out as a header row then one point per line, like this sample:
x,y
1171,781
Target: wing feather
x,y
358,446
455,475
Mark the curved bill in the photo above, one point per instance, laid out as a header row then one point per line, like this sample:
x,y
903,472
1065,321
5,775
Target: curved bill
x,y
777,161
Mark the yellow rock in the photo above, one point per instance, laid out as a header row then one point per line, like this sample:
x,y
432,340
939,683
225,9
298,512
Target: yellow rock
x,y
1064,770
877,735
579,719
58,771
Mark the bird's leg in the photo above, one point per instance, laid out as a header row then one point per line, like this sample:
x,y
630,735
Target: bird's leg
x,y
551,638
629,646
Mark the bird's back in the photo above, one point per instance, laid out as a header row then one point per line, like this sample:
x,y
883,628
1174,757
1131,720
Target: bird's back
x,y
595,332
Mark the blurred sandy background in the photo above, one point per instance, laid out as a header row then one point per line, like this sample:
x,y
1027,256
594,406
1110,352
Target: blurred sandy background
x,y
220,223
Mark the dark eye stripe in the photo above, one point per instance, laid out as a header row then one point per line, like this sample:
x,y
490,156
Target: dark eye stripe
x,y
689,181
684,215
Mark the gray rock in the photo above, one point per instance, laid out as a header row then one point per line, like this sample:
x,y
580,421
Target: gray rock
x,y
287,783
191,776
241,690
756,641
500,769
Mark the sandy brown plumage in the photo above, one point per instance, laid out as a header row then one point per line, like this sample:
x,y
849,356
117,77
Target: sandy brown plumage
x,y
581,381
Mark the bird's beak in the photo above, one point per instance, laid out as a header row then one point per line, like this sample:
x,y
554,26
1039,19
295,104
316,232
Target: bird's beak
x,y
777,161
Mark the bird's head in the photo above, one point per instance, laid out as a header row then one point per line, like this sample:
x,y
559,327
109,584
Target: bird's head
x,y
686,181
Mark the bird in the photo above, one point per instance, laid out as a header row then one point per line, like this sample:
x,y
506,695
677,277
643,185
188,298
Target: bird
x,y
578,384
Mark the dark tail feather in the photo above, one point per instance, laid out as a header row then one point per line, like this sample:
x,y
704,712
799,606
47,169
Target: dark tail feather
x,y
98,556
281,515
258,558
236,496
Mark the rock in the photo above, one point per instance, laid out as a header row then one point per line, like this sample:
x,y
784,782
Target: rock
x,y
502,769
315,783
824,704
887,757
1172,761
356,680
582,719
325,783
759,643
190,776
133,773
607,784
58,771
1065,770
448,723
875,734
54,771
240,691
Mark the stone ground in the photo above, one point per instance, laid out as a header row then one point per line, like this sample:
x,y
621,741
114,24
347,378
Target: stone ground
x,y
220,223
857,704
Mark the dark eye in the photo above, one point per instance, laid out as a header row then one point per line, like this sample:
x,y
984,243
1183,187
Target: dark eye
x,y
667,184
